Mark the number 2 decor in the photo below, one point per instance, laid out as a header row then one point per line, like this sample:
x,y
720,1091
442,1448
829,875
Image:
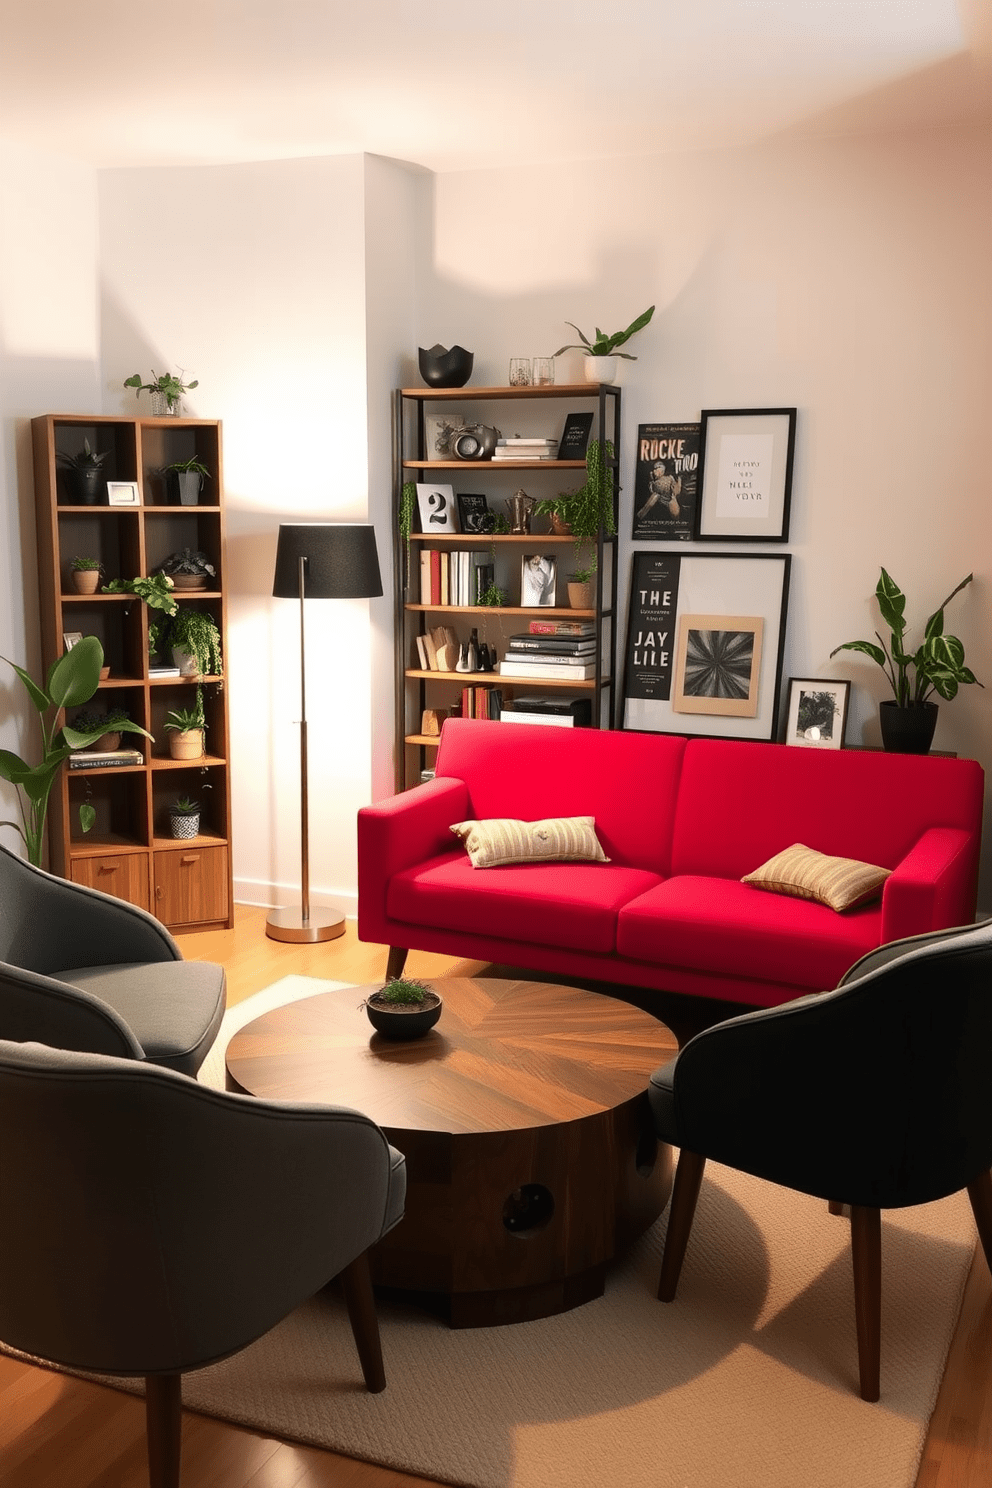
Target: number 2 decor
x,y
436,504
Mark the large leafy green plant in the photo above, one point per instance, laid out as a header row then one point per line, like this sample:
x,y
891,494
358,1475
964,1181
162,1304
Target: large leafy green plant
x,y
606,345
71,680
938,663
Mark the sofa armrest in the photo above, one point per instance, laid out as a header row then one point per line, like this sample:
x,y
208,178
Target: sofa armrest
x,y
933,887
397,833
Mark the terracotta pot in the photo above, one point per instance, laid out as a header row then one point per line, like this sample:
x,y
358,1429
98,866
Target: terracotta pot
x,y
582,596
189,581
85,580
559,527
106,742
186,743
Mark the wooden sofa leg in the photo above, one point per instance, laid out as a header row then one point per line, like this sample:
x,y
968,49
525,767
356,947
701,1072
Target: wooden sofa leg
x,y
356,1282
395,962
685,1192
163,1427
980,1194
866,1252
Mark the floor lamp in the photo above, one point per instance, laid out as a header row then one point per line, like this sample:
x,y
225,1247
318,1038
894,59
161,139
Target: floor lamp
x,y
318,560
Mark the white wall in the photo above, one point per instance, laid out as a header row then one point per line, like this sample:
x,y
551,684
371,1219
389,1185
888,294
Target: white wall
x,y
848,277
261,295
48,364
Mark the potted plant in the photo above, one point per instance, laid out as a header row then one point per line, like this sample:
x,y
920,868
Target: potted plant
x,y
86,574
189,569
403,1009
601,353
84,471
187,479
582,586
165,391
71,680
106,727
909,718
186,728
589,509
184,818
194,639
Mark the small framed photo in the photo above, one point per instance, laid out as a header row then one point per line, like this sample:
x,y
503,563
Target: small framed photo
x,y
718,664
538,579
71,637
123,493
438,430
817,712
746,457
474,514
436,504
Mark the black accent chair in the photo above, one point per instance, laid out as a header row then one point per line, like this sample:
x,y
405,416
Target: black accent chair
x,y
149,1225
83,970
874,1096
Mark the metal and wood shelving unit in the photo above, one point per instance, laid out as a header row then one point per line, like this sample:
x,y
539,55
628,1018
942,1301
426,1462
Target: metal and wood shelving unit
x,y
129,851
417,689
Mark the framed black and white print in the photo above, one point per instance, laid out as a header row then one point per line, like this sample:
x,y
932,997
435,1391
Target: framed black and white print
x,y
745,474
538,579
436,504
816,713
474,513
123,493
705,640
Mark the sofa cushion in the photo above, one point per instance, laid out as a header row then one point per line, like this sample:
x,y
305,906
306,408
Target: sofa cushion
x,y
559,839
728,928
573,905
839,883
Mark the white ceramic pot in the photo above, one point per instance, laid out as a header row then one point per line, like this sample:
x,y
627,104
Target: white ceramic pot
x,y
187,664
601,369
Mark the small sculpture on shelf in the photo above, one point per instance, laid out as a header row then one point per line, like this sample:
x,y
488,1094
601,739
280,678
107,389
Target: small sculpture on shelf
x,y
444,368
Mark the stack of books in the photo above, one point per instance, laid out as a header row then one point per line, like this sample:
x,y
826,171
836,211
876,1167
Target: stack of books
x,y
92,759
526,449
559,712
459,578
562,650
481,702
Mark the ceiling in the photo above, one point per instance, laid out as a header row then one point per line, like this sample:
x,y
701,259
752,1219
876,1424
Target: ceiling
x,y
472,84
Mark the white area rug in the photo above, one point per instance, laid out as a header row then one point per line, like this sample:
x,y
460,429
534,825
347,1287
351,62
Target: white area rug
x,y
748,1380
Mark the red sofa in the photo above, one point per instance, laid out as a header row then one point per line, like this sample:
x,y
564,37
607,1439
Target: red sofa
x,y
682,820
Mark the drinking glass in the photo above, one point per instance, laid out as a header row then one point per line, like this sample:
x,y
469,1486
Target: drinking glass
x,y
544,371
520,371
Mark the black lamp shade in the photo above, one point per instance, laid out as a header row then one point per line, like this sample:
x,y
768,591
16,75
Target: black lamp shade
x,y
341,561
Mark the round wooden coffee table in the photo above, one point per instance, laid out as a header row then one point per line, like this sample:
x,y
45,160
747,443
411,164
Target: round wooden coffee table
x,y
523,1117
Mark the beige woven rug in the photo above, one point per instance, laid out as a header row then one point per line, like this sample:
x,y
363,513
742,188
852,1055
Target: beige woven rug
x,y
748,1380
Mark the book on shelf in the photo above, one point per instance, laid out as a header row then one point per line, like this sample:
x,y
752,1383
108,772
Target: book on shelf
x,y
425,576
564,712
553,645
540,668
562,627
164,671
435,576
481,702
93,759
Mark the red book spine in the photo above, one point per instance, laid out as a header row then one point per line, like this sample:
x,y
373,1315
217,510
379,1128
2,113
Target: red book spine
x,y
435,576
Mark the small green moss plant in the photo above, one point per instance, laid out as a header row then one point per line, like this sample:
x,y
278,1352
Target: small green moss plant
x,y
86,565
403,993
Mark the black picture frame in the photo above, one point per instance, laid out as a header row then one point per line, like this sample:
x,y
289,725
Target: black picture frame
x,y
574,439
684,603
746,460
474,513
816,712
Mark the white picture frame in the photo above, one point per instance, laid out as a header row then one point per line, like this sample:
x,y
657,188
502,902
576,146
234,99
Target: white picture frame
x,y
436,505
123,493
71,638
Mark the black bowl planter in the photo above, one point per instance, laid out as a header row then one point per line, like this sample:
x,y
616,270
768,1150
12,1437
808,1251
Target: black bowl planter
x,y
907,730
403,1020
441,368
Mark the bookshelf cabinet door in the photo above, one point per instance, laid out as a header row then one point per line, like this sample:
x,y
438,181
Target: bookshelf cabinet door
x,y
191,886
125,875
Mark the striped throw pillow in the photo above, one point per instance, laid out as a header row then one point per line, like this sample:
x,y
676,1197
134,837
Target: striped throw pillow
x,y
501,840
839,883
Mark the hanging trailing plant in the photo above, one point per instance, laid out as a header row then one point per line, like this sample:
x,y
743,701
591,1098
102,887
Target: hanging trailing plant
x,y
589,509
408,505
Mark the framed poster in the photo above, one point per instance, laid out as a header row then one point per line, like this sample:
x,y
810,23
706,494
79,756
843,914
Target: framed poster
x,y
745,474
665,472
816,713
538,579
436,505
705,639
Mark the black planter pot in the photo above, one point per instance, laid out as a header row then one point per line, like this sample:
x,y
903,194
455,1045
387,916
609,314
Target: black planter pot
x,y
85,486
445,369
403,1021
907,730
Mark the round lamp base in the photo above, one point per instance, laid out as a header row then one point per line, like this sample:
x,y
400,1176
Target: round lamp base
x,y
289,924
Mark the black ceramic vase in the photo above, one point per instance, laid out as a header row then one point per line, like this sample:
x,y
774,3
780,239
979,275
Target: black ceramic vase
x,y
907,730
85,483
441,368
403,1020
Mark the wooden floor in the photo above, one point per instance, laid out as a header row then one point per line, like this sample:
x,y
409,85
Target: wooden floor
x,y
57,1431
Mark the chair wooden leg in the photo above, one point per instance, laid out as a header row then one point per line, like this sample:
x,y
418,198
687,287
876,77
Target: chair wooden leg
x,y
980,1194
395,962
685,1192
866,1252
163,1427
356,1282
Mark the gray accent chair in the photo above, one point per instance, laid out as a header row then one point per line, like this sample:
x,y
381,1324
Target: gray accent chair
x,y
874,1096
150,1225
82,970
